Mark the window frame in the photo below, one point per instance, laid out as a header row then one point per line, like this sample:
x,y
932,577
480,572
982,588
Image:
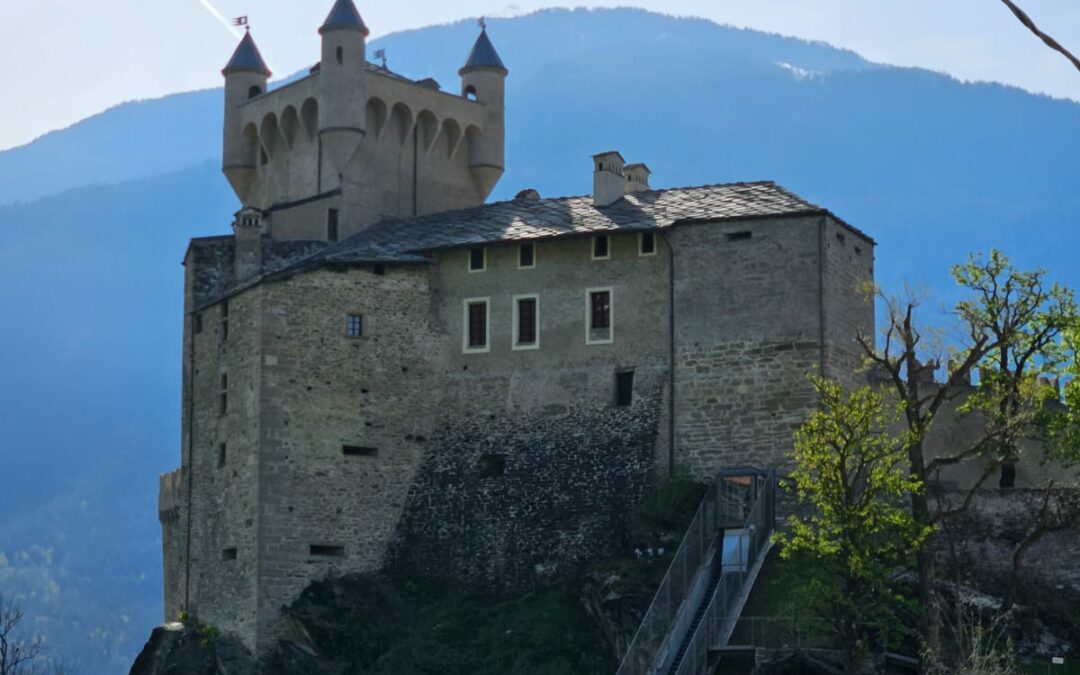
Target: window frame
x,y
349,316
589,340
533,265
465,304
515,344
641,244
592,246
469,257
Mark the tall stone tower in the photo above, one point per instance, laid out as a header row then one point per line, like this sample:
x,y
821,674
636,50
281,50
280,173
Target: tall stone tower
x,y
352,143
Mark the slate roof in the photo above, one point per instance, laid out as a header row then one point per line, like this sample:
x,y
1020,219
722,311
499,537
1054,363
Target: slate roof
x,y
246,58
483,54
344,15
413,239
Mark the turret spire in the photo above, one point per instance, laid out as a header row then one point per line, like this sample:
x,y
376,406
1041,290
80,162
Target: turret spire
x,y
344,15
246,58
483,54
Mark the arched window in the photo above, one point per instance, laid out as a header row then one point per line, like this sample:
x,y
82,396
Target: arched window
x,y
470,92
340,55
254,91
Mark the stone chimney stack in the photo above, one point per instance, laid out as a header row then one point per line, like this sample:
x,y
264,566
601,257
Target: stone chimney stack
x,y
607,178
637,178
248,230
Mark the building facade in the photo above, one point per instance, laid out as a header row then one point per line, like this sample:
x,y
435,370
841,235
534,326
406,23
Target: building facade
x,y
381,370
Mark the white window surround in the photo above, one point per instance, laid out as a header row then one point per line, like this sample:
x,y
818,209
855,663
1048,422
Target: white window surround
x,y
534,248
514,339
468,259
592,247
588,316
640,239
465,348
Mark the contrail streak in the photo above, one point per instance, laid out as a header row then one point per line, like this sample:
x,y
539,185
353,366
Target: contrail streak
x,y
233,30
221,18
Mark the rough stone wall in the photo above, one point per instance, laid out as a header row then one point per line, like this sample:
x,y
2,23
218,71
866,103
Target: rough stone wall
x,y
747,313
223,486
504,501
849,303
322,390
172,514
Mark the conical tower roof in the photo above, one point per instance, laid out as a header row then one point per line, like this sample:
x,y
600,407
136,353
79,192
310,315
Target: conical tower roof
x,y
246,58
344,15
483,54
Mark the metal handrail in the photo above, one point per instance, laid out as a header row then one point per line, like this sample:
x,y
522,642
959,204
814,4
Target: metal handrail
x,y
652,633
652,643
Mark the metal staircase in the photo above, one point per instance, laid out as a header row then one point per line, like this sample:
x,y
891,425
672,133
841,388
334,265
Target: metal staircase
x,y
695,607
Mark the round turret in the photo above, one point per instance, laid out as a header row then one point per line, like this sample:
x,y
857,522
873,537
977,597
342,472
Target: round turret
x,y
342,89
483,78
246,76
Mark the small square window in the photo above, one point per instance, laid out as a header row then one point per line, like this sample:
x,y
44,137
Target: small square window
x,y
647,243
491,465
739,236
624,388
354,325
476,325
326,551
526,256
600,247
228,554
477,259
358,451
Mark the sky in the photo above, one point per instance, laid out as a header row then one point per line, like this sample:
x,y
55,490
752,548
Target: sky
x,y
68,60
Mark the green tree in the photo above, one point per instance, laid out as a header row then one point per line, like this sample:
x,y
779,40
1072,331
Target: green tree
x,y
852,474
1014,327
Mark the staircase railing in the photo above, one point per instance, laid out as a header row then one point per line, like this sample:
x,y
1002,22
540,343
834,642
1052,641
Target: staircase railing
x,y
685,586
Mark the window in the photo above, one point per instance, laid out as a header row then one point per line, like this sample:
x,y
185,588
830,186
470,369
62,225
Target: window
x,y
600,248
739,236
254,91
324,551
526,256
198,323
340,55
526,321
598,317
491,465
624,387
647,243
228,554
331,224
470,92
476,325
358,451
224,320
221,455
354,325
223,401
477,259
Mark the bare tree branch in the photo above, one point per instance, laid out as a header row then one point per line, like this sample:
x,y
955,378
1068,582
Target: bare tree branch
x,y
1050,42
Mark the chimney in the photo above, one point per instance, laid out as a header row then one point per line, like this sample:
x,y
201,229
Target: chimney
x,y
637,178
607,178
248,232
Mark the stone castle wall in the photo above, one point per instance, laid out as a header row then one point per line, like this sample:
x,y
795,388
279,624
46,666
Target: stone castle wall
x,y
505,467
749,315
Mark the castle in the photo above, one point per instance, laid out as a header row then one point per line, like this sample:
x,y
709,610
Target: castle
x,y
382,370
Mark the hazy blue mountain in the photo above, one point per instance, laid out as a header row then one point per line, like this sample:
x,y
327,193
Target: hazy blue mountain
x,y
91,300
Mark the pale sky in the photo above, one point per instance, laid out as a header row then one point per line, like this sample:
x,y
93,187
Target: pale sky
x,y
65,59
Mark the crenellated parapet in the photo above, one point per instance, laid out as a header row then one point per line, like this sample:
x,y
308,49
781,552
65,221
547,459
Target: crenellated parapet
x,y
359,139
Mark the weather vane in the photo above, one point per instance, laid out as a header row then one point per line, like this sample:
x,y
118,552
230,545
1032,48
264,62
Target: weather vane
x,y
483,23
241,21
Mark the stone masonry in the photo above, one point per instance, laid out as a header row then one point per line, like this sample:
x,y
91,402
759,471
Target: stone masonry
x,y
383,372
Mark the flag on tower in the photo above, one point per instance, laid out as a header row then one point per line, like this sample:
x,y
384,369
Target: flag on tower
x,y
381,54
240,21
